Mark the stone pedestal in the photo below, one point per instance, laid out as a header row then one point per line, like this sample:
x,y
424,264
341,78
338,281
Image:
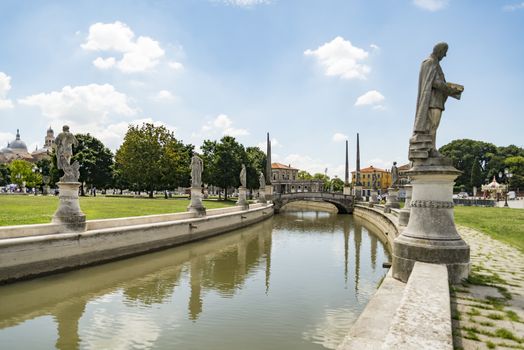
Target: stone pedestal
x,y
196,205
269,193
347,191
358,192
69,213
242,195
392,198
373,198
403,217
261,196
431,235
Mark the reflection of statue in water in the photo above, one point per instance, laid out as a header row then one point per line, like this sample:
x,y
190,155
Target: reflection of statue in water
x,y
243,181
394,175
262,181
197,166
433,92
64,151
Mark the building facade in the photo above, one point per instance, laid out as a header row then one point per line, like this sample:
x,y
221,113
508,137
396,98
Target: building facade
x,y
17,149
381,177
284,179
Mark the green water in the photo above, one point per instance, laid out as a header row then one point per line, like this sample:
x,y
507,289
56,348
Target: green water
x,y
295,281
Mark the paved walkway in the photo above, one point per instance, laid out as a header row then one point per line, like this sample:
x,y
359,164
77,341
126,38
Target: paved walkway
x,y
488,310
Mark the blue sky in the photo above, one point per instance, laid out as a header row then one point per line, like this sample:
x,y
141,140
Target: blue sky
x,y
312,73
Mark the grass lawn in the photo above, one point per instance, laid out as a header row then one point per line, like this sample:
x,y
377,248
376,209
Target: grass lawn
x,y
504,224
18,210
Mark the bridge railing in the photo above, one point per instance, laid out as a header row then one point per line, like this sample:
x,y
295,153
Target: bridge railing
x,y
320,195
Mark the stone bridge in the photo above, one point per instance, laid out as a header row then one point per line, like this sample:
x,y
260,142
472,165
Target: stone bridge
x,y
344,203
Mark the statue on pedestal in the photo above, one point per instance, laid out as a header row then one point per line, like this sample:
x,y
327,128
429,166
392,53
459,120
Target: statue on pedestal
x,y
394,175
197,166
433,91
243,181
64,151
262,181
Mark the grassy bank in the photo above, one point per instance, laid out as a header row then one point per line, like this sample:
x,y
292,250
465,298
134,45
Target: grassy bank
x,y
18,210
504,224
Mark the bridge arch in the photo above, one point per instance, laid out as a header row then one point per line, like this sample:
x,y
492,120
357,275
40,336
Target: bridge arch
x,y
343,203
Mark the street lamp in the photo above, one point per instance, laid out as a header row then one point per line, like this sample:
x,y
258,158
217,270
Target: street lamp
x,y
508,178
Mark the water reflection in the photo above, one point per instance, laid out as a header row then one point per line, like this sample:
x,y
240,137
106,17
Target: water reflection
x,y
158,300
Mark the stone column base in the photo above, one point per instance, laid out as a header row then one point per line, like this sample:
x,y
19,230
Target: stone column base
x,y
69,213
403,217
196,205
431,235
262,197
392,198
347,190
242,198
454,254
269,193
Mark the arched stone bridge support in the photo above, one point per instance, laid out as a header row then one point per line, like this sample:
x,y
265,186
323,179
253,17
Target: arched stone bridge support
x,y
344,203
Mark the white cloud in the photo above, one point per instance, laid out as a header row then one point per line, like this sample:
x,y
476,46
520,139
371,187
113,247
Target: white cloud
x,y
340,58
176,66
102,63
513,7
374,47
81,103
245,3
431,5
339,137
372,97
5,86
137,55
164,95
221,124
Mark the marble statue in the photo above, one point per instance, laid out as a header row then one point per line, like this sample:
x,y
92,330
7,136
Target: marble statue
x,y
374,181
394,175
64,151
243,181
433,91
262,180
197,166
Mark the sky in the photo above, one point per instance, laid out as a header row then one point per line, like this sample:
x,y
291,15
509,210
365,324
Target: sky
x,y
311,73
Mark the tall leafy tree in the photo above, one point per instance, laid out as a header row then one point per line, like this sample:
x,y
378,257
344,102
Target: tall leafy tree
x,y
151,158
304,175
96,162
23,172
256,161
476,174
223,161
5,177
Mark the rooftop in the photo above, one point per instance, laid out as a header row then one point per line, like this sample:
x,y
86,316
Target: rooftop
x,y
282,166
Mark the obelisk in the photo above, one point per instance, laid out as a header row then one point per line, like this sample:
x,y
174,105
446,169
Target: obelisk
x,y
269,188
358,184
347,188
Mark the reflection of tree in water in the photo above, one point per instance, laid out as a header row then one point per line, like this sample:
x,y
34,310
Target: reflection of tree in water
x,y
153,289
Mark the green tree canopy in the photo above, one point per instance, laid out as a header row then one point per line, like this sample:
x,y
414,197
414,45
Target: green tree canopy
x,y
151,158
304,175
256,161
23,172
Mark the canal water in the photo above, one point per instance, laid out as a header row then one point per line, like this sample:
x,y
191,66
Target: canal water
x,y
295,281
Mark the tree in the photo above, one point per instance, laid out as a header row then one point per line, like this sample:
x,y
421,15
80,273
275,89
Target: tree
x,y
476,174
95,160
256,160
5,177
515,165
22,172
152,158
338,184
324,178
222,162
304,175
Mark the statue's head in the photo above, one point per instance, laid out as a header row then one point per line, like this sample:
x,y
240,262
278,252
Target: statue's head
x,y
440,50
394,163
65,128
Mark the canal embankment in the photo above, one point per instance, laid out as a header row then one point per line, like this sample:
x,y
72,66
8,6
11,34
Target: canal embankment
x,y
28,251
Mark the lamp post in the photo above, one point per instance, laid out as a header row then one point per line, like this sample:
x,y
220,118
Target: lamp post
x,y
508,175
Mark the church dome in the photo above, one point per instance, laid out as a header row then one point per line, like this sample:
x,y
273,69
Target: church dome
x,y
6,149
17,143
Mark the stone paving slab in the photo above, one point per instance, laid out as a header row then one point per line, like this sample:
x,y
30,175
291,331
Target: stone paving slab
x,y
488,309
